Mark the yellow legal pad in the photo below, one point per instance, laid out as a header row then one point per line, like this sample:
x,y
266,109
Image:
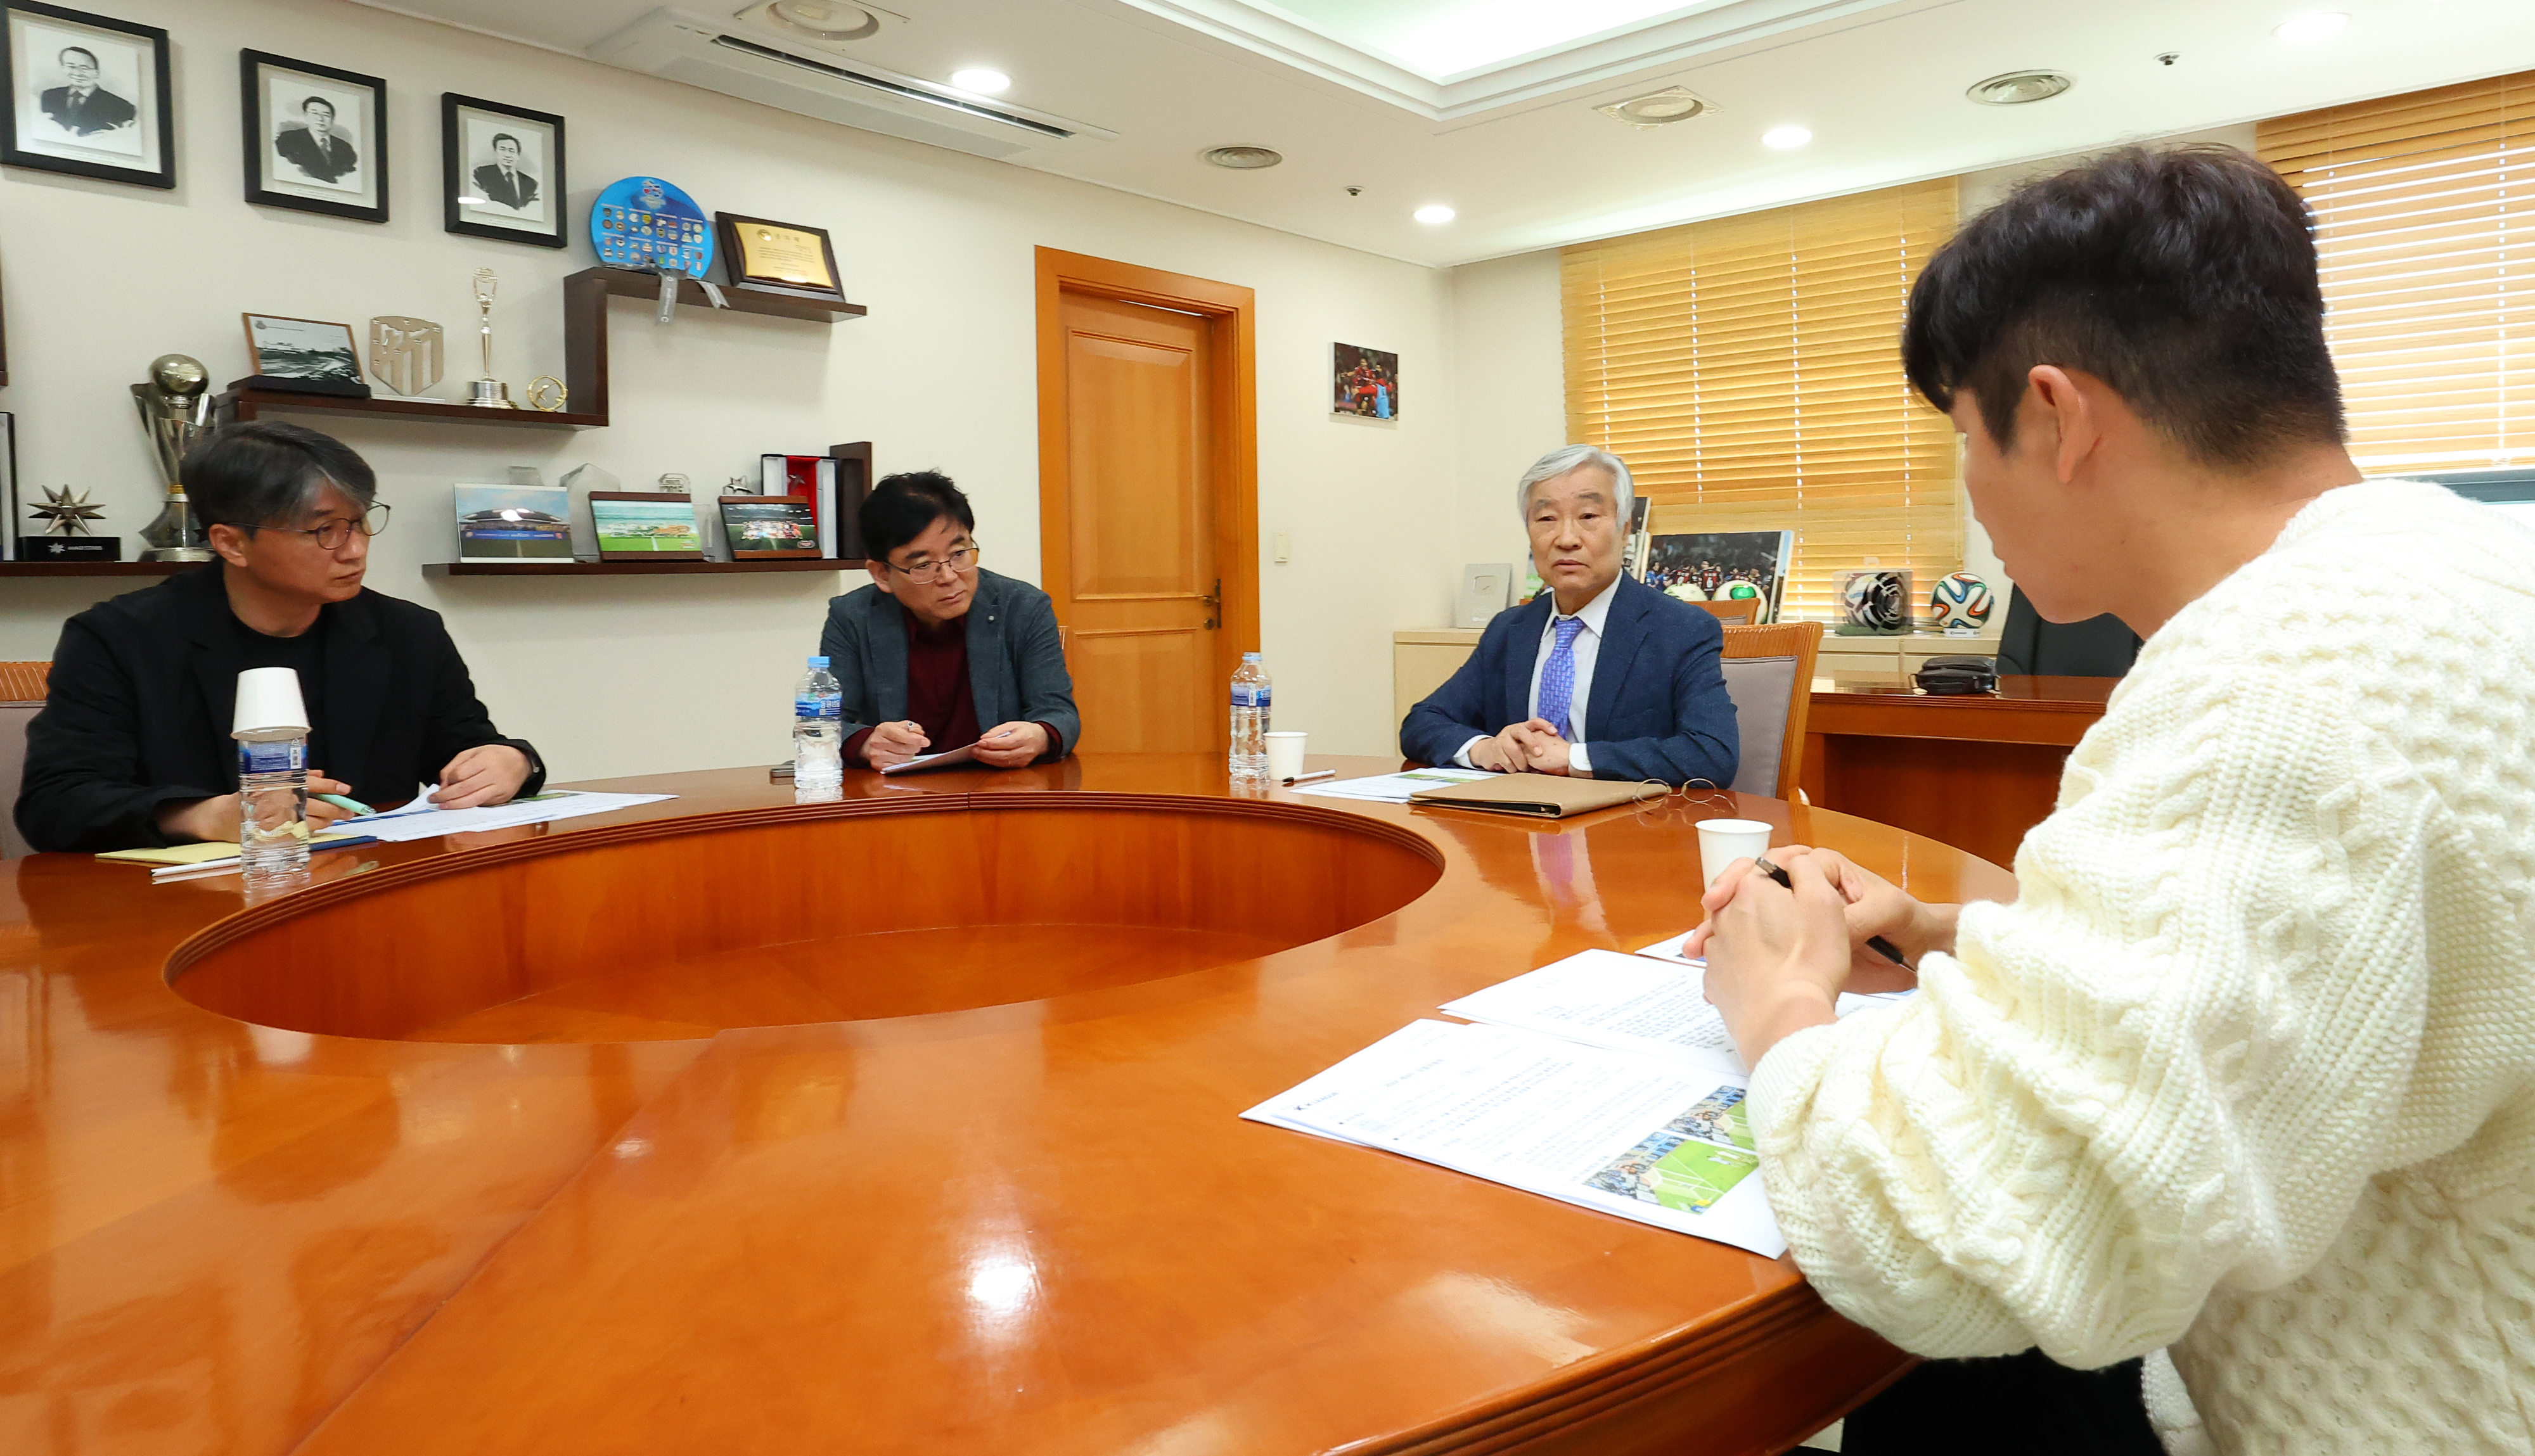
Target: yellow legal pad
x,y
195,854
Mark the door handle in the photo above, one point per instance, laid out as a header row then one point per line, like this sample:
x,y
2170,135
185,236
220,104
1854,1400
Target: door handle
x,y
1214,606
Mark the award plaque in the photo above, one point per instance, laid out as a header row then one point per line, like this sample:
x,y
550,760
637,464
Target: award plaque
x,y
787,258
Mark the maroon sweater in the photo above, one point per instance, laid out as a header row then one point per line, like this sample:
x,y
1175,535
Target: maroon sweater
x,y
938,698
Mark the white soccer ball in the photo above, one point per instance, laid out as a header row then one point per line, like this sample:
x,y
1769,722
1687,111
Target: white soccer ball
x,y
1961,600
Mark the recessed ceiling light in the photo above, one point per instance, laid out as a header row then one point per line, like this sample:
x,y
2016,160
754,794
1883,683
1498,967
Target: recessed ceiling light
x,y
1433,213
1244,158
1659,108
2321,25
1785,137
982,79
2018,87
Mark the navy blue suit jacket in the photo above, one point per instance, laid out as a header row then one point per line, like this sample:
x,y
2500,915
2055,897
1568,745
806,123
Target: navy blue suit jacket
x,y
1658,708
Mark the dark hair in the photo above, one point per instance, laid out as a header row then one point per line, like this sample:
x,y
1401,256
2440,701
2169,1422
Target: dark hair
x,y
93,63
904,506
264,472
2184,278
501,137
318,102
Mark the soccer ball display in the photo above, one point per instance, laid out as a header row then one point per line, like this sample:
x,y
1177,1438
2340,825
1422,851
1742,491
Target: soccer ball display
x,y
1961,600
1878,601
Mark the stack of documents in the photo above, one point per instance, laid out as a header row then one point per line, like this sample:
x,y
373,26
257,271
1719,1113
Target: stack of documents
x,y
423,819
1604,1080
1394,788
198,861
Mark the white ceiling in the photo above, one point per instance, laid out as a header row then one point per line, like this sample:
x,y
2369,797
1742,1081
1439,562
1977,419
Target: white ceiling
x,y
1485,106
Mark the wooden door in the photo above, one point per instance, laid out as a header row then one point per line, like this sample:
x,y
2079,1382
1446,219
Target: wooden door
x,y
1148,508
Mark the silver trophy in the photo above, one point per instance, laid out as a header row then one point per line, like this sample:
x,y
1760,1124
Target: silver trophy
x,y
488,392
175,407
405,353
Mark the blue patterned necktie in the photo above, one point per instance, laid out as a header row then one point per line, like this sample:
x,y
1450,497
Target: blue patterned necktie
x,y
1558,679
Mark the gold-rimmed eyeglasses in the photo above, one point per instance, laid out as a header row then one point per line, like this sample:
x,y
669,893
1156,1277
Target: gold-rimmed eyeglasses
x,y
926,572
332,535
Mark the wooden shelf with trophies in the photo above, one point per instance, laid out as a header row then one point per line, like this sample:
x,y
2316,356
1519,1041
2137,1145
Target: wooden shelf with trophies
x,y
631,568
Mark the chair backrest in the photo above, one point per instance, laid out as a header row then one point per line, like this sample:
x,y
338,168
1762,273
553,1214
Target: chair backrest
x,y
1769,675
1732,613
22,695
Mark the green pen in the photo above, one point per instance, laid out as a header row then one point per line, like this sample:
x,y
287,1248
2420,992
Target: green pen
x,y
339,802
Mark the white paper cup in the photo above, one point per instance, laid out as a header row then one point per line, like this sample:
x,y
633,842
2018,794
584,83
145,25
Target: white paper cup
x,y
1722,841
1284,756
269,704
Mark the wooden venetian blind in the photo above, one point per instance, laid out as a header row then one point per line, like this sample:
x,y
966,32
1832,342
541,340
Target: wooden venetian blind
x,y
2425,220
1749,370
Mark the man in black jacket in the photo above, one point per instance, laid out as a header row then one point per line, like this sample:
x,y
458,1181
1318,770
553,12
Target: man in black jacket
x,y
81,107
314,148
133,745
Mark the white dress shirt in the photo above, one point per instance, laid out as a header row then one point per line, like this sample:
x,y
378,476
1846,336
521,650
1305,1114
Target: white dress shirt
x,y
1587,646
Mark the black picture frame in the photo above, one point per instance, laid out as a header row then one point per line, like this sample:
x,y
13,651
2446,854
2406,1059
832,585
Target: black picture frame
x,y
541,132
26,122
727,227
312,176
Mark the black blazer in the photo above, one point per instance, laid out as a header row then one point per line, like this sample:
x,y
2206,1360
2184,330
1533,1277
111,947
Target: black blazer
x,y
102,111
327,163
517,193
143,687
1016,659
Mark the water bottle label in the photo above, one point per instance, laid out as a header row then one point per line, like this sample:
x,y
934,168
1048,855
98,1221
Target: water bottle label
x,y
1251,694
819,705
289,756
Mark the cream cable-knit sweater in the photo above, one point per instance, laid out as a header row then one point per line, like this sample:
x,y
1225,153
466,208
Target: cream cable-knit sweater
x,y
2245,1069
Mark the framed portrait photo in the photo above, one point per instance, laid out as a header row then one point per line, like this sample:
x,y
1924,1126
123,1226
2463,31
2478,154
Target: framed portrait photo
x,y
501,171
88,95
316,138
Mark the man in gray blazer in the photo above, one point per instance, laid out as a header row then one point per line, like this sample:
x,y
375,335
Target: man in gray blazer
x,y
937,648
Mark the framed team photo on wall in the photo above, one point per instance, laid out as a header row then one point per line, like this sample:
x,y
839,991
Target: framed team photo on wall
x,y
501,171
316,138
88,95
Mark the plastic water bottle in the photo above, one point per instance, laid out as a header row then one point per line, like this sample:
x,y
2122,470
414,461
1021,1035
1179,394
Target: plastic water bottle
x,y
1251,692
272,800
817,721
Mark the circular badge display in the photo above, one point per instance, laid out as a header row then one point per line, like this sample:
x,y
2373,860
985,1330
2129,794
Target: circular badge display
x,y
646,223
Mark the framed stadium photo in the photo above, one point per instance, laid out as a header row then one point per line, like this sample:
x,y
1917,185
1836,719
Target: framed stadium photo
x,y
88,95
501,171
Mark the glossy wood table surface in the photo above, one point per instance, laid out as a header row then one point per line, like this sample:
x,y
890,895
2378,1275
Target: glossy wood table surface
x,y
987,1193
1972,769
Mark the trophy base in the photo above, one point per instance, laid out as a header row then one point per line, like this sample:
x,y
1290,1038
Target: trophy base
x,y
489,394
177,552
70,548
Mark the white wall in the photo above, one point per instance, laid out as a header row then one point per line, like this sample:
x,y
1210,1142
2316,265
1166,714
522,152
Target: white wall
x,y
620,675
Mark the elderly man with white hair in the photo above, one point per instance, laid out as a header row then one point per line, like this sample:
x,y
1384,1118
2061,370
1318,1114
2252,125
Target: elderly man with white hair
x,y
1599,676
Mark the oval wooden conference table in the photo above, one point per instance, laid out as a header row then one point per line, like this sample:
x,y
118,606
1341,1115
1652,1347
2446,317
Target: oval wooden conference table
x,y
903,1123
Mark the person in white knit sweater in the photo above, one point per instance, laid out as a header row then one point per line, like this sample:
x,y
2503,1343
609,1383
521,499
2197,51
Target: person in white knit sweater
x,y
2244,1071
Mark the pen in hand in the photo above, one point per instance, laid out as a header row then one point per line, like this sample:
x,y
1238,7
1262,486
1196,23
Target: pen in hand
x,y
1876,944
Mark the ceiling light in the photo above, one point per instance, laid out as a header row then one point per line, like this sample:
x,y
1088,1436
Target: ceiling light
x,y
2018,87
1785,137
1435,212
1659,108
2321,25
982,79
1244,158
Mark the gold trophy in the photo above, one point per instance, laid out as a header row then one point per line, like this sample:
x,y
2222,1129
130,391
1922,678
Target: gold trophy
x,y
488,392
175,407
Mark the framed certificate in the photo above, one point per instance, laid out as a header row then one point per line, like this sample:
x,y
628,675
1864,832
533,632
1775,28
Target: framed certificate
x,y
780,257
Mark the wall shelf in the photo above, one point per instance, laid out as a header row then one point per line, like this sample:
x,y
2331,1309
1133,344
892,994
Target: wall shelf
x,y
625,282
94,568
247,404
633,568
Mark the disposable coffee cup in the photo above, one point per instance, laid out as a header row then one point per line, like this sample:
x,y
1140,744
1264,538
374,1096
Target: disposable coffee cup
x,y
1284,756
269,705
1722,841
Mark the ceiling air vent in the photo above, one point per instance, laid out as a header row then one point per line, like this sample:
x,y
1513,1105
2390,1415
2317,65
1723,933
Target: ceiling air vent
x,y
1244,158
760,67
829,25
1659,108
2019,87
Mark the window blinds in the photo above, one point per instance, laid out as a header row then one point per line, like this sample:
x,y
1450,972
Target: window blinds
x,y
2425,220
1749,370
